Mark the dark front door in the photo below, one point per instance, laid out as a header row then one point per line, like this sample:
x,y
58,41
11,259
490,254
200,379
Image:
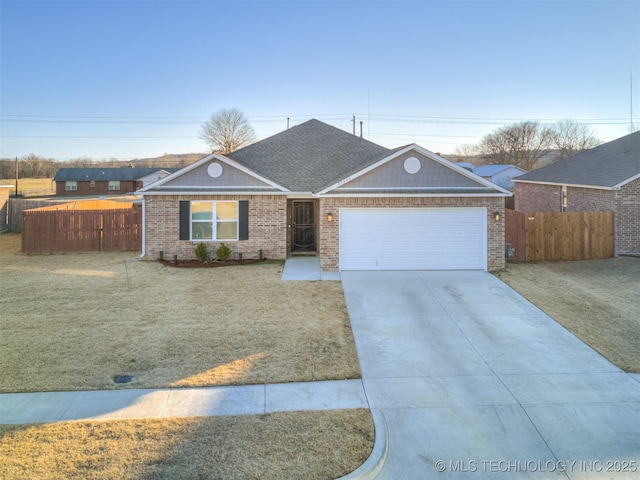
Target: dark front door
x,y
304,232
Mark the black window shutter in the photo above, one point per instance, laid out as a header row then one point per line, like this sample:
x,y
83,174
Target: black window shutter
x,y
185,214
243,217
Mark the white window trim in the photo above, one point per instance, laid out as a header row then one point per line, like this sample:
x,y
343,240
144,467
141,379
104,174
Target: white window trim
x,y
113,182
214,222
70,186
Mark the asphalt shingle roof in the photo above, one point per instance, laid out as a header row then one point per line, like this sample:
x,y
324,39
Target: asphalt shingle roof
x,y
607,165
105,174
309,156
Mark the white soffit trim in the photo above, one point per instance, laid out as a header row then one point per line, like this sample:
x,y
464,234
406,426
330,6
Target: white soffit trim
x,y
426,153
628,180
209,192
196,187
406,195
556,184
202,161
426,189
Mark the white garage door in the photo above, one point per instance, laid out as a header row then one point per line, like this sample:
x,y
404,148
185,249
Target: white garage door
x,y
413,239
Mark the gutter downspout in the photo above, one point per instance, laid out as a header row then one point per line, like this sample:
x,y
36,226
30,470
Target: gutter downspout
x,y
144,227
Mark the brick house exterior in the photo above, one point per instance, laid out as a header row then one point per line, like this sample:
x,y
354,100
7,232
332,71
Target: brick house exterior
x,y
73,182
604,178
162,219
96,188
321,171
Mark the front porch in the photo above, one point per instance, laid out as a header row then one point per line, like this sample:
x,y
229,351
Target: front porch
x,y
306,268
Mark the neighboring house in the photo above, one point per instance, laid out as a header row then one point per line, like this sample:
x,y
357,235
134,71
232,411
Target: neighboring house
x,y
501,175
318,190
467,165
606,177
105,181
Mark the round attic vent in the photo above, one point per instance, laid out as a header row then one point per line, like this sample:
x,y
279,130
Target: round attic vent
x,y
412,165
214,170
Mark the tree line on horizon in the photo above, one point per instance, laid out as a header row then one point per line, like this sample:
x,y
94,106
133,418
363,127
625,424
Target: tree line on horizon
x,y
35,166
526,144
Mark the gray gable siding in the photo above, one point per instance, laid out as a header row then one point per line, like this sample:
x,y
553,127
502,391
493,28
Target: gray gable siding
x,y
393,175
231,177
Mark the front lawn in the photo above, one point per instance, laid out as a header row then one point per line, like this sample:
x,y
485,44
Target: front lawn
x,y
75,321
277,446
597,300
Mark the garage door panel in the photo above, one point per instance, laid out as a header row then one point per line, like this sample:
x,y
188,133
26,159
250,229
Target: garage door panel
x,y
400,239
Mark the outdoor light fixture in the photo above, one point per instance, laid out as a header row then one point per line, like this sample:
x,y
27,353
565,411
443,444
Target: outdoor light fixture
x,y
329,217
497,216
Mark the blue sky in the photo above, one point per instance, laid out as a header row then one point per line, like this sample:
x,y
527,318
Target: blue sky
x,y
137,78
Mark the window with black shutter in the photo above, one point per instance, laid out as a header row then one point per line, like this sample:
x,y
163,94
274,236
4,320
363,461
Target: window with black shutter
x,y
214,220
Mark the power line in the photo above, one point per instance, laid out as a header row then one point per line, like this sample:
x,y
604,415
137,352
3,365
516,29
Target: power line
x,y
154,120
97,136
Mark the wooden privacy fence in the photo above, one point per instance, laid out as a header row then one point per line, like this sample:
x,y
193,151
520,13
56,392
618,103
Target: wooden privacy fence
x,y
557,236
17,206
65,231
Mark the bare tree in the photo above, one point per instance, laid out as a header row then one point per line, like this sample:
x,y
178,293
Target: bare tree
x,y
521,144
35,166
226,131
570,137
464,153
80,162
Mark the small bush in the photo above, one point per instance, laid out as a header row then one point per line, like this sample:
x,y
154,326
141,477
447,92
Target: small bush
x,y
223,252
201,252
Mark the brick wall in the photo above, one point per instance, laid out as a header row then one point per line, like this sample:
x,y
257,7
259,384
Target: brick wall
x,y
329,242
627,209
267,227
589,199
533,197
625,203
100,188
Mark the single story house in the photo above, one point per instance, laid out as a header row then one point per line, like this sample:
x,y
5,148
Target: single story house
x,y
317,190
106,181
501,175
606,177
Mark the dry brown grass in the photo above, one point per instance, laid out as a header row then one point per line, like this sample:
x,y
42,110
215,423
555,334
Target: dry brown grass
x,y
597,300
30,186
74,321
310,445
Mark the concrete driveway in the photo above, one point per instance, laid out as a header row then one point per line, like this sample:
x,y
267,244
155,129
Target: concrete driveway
x,y
476,382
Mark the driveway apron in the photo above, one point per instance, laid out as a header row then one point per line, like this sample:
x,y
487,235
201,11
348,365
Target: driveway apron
x,y
476,382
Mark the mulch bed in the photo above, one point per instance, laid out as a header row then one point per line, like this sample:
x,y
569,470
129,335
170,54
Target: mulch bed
x,y
212,264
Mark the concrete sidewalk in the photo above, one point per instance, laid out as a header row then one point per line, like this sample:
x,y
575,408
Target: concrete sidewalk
x,y
306,269
465,379
44,407
476,382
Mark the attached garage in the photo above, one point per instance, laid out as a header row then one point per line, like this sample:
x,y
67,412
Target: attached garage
x,y
413,238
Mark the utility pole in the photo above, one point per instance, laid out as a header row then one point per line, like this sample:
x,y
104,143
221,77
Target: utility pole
x,y
16,192
631,128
